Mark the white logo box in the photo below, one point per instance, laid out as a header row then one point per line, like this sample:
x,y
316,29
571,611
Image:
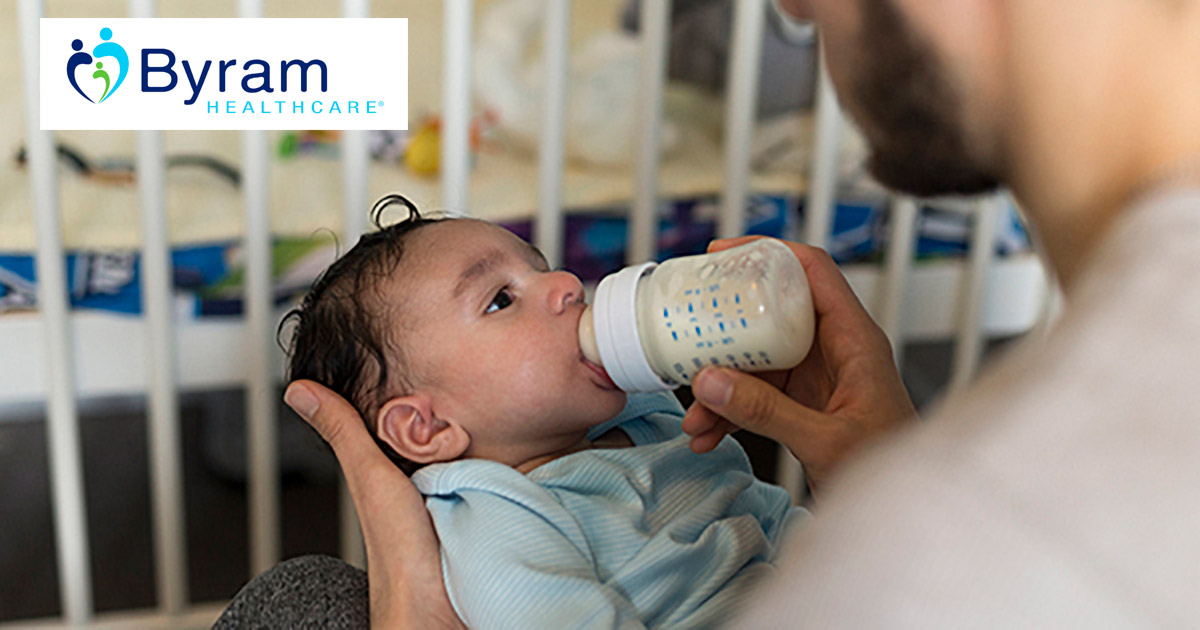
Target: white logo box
x,y
363,64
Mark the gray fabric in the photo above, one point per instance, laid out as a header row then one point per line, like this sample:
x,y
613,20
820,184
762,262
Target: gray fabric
x,y
701,39
305,592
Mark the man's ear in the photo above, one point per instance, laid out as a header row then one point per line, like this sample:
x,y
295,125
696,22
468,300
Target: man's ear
x,y
407,424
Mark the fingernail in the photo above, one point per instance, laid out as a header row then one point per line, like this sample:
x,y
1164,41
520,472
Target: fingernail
x,y
713,387
301,400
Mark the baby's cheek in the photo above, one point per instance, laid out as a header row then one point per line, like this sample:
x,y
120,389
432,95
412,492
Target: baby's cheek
x,y
518,370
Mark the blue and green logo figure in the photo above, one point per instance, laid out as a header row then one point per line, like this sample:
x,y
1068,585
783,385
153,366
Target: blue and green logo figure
x,y
105,49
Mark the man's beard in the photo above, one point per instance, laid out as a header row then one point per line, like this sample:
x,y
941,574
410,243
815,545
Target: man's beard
x,y
911,113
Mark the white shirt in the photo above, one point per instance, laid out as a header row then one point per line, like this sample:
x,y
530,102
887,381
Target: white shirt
x,y
1061,491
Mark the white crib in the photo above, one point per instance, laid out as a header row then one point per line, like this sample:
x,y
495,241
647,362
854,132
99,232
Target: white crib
x,y
967,300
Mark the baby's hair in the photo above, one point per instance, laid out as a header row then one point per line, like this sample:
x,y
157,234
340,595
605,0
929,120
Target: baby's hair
x,y
341,338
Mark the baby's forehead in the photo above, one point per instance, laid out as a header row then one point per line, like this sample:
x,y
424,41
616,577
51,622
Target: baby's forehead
x,y
439,254
461,240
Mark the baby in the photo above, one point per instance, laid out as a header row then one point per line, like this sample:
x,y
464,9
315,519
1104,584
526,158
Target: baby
x,y
559,501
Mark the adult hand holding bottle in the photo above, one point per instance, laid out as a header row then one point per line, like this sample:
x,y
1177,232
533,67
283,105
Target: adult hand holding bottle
x,y
845,393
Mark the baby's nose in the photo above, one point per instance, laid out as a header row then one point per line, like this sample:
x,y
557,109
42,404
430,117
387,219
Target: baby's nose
x,y
565,290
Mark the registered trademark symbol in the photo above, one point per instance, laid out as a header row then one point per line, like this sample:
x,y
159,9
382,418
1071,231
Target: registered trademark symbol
x,y
380,103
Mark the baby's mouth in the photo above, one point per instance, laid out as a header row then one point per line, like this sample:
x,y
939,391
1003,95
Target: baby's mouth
x,y
604,377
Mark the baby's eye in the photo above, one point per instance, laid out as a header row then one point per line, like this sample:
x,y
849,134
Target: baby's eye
x,y
502,300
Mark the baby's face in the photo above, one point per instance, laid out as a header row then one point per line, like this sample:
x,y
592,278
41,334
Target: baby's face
x,y
492,334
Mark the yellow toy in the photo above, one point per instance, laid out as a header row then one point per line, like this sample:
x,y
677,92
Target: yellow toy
x,y
424,150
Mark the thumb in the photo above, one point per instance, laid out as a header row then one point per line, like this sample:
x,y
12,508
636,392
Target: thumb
x,y
339,423
752,404
332,416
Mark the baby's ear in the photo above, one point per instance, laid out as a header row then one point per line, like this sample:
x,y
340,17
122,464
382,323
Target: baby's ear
x,y
407,424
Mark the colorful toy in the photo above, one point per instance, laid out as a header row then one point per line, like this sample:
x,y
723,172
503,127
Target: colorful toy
x,y
322,143
419,149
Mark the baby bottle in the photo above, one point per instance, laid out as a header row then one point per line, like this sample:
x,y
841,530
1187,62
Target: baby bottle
x,y
652,327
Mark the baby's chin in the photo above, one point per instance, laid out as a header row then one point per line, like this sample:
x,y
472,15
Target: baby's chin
x,y
615,402
593,410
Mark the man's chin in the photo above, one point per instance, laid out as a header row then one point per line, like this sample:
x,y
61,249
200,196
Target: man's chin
x,y
930,178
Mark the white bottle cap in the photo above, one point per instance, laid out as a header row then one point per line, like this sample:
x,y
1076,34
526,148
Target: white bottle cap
x,y
614,315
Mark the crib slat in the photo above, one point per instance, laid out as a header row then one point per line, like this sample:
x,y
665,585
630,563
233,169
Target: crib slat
x,y
643,221
818,216
262,431
1051,303
548,230
456,104
898,261
741,90
166,453
356,164
823,180
968,349
62,427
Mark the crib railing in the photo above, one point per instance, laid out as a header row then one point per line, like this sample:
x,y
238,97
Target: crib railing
x,y
69,511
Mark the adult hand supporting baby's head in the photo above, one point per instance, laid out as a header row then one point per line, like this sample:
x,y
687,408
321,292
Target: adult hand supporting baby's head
x,y
846,392
403,562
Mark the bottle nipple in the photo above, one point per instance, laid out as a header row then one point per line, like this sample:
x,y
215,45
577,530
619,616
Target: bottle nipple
x,y
587,337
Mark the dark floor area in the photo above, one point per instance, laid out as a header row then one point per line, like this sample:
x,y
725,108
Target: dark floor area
x,y
118,495
116,465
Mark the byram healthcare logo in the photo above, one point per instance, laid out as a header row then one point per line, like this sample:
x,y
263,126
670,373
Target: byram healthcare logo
x,y
84,60
257,74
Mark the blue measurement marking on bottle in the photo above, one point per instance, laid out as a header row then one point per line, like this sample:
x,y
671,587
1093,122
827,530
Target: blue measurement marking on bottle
x,y
666,313
737,298
743,322
689,307
722,325
714,302
697,331
674,335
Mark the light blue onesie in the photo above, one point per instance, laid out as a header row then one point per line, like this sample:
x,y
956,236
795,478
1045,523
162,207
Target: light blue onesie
x,y
643,537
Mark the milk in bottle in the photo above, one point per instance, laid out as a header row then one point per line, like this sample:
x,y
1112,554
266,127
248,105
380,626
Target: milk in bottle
x,y
652,327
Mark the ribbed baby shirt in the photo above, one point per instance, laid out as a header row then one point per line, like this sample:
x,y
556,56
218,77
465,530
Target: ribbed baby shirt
x,y
650,536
